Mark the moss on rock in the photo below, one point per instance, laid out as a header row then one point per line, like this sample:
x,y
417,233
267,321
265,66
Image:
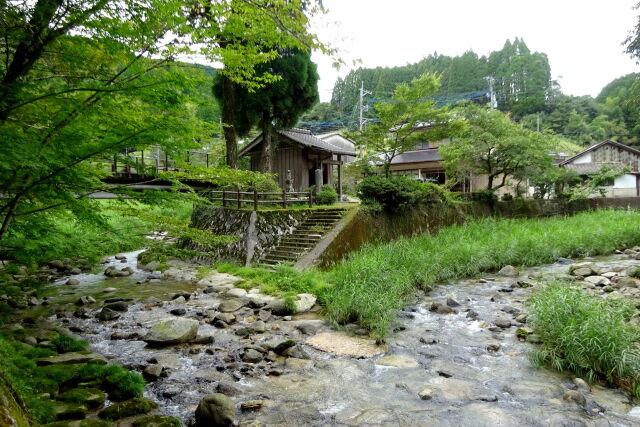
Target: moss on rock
x,y
128,408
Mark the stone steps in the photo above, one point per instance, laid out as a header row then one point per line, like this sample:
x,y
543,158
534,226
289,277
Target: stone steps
x,y
304,237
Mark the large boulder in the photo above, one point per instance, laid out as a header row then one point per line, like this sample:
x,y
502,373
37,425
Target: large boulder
x,y
128,408
215,410
172,331
583,269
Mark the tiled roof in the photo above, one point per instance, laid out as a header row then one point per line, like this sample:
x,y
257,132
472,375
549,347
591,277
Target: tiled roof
x,y
418,156
333,143
591,168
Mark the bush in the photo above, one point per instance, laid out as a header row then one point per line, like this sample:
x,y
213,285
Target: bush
x,y
586,334
398,192
120,383
65,344
326,196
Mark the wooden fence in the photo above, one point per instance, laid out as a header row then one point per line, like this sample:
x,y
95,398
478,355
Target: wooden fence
x,y
238,198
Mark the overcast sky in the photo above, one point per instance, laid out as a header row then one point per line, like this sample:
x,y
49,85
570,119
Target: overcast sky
x,y
583,39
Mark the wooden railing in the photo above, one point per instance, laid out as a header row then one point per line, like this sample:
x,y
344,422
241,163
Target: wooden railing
x,y
238,198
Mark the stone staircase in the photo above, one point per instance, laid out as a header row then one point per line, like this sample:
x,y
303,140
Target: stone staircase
x,y
305,237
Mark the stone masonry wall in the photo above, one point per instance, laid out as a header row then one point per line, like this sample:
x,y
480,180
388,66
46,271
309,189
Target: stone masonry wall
x,y
257,232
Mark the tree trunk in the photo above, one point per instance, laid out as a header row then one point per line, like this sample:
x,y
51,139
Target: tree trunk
x,y
490,182
228,120
266,155
8,216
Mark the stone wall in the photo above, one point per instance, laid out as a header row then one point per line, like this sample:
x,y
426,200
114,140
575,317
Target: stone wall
x,y
257,232
377,228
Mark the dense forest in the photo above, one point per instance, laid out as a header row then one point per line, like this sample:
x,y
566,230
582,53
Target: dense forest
x,y
522,84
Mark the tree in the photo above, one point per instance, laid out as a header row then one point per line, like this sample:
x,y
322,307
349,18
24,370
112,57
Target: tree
x,y
277,105
495,146
83,81
408,117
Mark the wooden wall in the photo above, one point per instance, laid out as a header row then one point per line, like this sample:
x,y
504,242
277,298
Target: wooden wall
x,y
610,153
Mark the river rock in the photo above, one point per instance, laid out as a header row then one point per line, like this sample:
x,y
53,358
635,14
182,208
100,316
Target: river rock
x,y
73,357
121,306
397,361
582,385
178,311
341,344
235,293
69,411
172,331
152,372
502,323
85,300
574,396
120,257
128,408
583,269
441,308
508,271
109,290
251,356
107,314
452,303
231,305
215,410
284,345
304,302
427,393
73,282
155,421
627,282
298,364
253,404
90,397
523,332
296,351
597,280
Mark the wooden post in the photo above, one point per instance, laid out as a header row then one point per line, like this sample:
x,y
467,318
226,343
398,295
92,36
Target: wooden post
x,y
255,199
142,152
166,162
207,159
224,198
284,198
310,198
115,164
239,199
340,177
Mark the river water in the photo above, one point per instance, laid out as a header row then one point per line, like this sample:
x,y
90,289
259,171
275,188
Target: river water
x,y
470,372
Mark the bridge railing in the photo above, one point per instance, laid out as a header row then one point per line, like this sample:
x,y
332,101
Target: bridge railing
x,y
140,162
237,198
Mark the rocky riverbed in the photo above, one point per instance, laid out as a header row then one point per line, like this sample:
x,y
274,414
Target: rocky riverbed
x,y
457,356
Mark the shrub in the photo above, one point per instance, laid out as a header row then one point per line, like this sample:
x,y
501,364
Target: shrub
x,y
326,196
586,334
398,192
119,382
65,344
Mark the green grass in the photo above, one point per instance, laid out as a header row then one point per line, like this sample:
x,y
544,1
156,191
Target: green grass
x,y
586,334
372,284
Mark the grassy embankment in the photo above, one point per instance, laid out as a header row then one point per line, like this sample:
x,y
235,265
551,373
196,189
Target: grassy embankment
x,y
374,283
587,335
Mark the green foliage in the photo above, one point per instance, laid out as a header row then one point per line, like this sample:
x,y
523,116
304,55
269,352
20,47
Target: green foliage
x,y
398,192
410,116
494,145
326,196
586,334
596,183
635,273
120,383
282,280
64,344
372,284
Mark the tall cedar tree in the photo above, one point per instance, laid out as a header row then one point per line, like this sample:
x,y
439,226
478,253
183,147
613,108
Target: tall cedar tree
x,y
278,105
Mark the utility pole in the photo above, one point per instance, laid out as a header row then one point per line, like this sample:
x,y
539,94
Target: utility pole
x,y
363,108
493,102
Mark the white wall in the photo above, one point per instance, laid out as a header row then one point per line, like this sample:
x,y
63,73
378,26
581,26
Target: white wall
x,y
625,181
585,158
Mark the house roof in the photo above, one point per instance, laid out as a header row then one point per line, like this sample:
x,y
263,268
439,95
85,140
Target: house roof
x,y
418,156
591,168
598,145
334,143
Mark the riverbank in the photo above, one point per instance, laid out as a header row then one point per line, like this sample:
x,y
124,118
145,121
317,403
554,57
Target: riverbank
x,y
457,355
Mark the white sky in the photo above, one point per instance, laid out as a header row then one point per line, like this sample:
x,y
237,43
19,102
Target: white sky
x,y
583,39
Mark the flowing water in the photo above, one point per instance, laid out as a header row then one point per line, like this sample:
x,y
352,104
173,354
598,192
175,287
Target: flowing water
x,y
469,371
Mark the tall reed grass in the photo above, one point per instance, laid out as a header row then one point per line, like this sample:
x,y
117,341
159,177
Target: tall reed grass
x,y
372,284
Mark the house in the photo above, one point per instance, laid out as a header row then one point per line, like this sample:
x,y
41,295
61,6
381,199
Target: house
x,y
613,155
305,159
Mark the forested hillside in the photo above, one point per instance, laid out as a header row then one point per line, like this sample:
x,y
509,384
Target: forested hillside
x,y
522,85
